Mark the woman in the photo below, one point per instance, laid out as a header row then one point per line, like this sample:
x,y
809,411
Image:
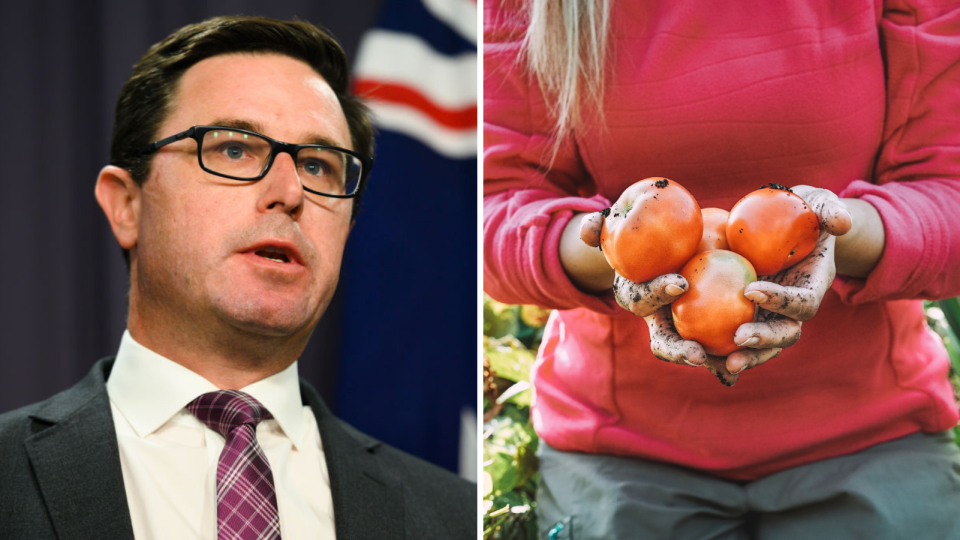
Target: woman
x,y
857,106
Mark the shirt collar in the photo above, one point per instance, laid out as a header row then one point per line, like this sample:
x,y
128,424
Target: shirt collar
x,y
150,389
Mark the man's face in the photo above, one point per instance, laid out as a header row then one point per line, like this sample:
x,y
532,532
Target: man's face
x,y
200,248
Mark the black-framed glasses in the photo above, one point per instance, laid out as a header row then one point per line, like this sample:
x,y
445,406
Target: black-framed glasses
x,y
245,155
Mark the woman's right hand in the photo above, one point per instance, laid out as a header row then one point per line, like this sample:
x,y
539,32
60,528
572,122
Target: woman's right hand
x,y
651,300
641,299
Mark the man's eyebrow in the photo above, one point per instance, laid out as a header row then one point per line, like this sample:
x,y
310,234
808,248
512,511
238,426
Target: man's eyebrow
x,y
249,125
320,139
238,124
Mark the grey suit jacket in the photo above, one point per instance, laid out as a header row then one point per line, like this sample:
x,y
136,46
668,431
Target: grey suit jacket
x,y
60,476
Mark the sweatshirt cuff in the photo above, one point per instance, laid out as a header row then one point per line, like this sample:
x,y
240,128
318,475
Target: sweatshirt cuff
x,y
904,254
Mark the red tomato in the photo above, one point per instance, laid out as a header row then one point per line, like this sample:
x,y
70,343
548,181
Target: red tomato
x,y
714,307
773,228
714,229
652,229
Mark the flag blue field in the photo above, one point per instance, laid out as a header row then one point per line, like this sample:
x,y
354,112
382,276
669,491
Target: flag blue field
x,y
409,280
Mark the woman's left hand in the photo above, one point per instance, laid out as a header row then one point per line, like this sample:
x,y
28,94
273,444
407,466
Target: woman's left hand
x,y
793,296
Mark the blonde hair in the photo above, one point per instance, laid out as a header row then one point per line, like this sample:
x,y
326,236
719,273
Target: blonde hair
x,y
566,47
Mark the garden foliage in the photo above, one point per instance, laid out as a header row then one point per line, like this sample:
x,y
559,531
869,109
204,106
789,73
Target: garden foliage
x,y
511,336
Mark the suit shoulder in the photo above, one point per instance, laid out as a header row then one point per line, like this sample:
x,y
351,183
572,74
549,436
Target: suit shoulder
x,y
412,467
433,496
20,499
15,424
18,424
429,475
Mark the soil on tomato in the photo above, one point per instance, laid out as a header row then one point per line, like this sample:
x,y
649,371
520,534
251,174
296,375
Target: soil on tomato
x,y
635,241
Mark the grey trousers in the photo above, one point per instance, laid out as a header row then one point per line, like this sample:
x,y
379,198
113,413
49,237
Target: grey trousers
x,y
908,488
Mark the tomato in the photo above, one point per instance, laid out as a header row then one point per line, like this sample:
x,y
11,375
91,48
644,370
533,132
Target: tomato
x,y
773,228
652,229
714,307
714,229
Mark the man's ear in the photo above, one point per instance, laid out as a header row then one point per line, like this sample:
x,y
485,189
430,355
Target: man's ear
x,y
119,197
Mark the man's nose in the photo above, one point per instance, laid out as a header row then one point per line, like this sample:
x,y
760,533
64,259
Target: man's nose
x,y
281,188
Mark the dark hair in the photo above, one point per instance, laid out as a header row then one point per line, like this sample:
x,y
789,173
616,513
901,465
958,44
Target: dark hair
x,y
147,96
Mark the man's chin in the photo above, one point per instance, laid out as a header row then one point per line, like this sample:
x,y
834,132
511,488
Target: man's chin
x,y
270,321
269,329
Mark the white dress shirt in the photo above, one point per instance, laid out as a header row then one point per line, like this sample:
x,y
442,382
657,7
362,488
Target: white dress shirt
x,y
169,458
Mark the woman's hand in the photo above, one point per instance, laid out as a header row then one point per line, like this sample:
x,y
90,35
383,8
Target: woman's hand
x,y
786,299
651,300
793,296
641,299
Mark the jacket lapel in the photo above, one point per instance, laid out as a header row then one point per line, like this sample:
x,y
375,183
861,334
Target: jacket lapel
x,y
76,459
367,498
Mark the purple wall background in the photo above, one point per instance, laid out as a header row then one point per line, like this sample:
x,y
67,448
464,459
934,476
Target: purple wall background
x,y
63,283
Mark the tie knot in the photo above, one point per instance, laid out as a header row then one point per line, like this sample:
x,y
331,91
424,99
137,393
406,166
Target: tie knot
x,y
224,410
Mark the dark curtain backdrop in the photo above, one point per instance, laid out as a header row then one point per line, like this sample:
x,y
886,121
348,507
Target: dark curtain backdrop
x,y
62,278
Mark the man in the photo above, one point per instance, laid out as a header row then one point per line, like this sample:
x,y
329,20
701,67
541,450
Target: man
x,y
237,162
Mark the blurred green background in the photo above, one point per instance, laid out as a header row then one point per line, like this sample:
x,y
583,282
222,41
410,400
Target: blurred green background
x,y
511,336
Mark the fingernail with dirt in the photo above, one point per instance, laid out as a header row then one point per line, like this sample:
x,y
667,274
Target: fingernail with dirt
x,y
673,290
757,297
750,342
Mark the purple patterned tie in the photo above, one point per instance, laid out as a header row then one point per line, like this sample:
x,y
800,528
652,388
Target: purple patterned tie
x,y
246,499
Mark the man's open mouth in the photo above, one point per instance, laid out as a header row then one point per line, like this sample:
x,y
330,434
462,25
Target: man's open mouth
x,y
274,254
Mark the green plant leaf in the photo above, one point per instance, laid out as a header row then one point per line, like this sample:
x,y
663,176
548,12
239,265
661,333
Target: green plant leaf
x,y
509,441
939,319
509,359
503,472
951,312
500,320
519,393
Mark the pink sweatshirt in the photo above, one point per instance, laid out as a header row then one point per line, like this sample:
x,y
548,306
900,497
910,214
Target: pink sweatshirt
x,y
860,97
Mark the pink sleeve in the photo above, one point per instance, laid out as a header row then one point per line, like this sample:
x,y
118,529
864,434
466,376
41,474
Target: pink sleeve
x,y
524,209
917,178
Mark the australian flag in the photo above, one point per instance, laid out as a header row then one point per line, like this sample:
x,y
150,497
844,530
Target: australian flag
x,y
409,281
